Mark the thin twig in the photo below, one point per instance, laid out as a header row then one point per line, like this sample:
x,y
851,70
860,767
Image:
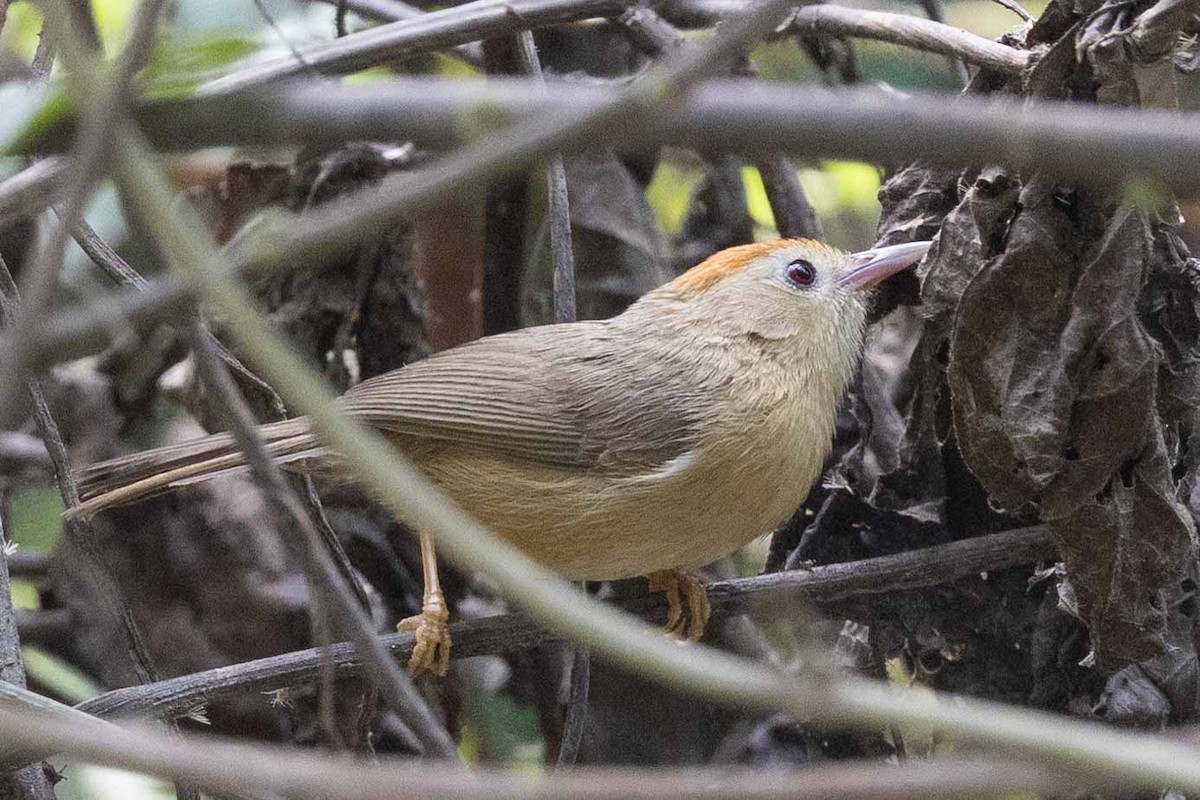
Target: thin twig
x,y
51,627
794,216
577,708
31,190
562,256
827,587
79,534
910,31
40,276
22,451
302,538
433,31
933,10
397,11
561,252
102,255
30,565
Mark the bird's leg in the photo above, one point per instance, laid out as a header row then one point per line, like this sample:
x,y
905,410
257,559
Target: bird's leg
x,y
431,651
681,587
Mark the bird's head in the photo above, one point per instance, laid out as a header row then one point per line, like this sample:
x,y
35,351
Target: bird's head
x,y
797,296
788,285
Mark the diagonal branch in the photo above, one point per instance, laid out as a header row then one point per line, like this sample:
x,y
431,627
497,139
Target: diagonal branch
x,y
301,537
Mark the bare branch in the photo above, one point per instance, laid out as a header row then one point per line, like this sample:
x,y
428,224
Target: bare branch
x,y
911,31
32,189
433,31
396,11
827,587
274,771
794,216
1062,139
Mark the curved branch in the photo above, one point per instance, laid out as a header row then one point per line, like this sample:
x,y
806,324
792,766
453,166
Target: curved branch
x,y
910,31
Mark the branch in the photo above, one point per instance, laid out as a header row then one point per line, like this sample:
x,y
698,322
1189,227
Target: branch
x,y
275,771
436,30
300,536
32,189
902,29
396,11
910,31
1063,140
1066,140
30,565
827,587
794,215
562,258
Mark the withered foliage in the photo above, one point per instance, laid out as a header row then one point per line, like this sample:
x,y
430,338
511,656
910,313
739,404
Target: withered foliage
x,y
1051,376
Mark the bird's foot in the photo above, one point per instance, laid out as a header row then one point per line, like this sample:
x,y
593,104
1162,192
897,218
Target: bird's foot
x,y
680,589
431,650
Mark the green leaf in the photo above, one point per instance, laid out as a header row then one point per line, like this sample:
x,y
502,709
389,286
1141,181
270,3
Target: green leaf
x,y
64,681
178,66
29,112
35,518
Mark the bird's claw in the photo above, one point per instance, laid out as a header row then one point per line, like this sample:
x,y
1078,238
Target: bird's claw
x,y
680,588
431,648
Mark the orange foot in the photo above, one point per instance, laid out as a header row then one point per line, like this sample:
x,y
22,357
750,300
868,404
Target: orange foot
x,y
680,587
431,651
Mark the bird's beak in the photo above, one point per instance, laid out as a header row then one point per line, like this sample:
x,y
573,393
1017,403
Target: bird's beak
x,y
871,266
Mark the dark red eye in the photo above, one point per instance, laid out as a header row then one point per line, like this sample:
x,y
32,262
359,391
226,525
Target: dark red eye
x,y
801,273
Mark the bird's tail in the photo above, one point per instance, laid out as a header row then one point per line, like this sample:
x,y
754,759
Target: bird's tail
x,y
142,475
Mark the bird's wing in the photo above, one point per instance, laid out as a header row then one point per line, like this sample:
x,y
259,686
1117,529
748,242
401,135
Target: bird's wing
x,y
551,395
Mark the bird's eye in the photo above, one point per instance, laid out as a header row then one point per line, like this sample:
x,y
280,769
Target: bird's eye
x,y
801,273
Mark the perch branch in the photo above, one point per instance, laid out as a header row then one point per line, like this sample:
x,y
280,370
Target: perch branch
x,y
827,587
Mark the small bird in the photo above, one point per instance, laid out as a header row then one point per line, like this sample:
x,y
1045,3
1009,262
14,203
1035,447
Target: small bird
x,y
650,443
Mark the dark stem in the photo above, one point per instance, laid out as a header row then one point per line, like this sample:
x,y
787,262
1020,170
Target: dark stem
x,y
832,588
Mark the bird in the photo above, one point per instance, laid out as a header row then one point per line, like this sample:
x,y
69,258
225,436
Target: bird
x,y
647,444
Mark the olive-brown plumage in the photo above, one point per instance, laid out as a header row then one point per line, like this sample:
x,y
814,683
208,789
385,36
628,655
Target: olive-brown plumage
x,y
660,439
